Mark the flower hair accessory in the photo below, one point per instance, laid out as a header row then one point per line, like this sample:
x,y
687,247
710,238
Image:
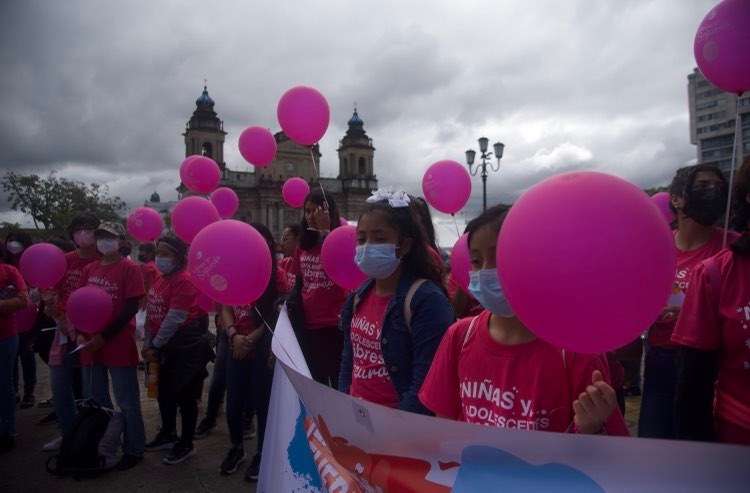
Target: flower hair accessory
x,y
399,198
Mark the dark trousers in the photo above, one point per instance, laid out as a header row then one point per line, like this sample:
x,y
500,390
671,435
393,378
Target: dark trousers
x,y
28,364
656,419
187,401
322,349
248,383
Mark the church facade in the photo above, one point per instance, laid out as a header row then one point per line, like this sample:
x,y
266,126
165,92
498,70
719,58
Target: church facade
x,y
259,190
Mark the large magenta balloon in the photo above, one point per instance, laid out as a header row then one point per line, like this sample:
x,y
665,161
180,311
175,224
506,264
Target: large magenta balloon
x,y
303,114
586,261
201,174
226,201
294,191
184,164
43,265
722,46
446,186
230,262
89,308
257,145
337,257
461,261
145,224
192,214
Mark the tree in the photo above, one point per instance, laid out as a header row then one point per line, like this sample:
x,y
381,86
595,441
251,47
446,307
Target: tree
x,y
654,190
53,201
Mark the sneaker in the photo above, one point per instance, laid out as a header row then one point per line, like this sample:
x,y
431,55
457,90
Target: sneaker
x,y
179,453
128,461
49,419
204,427
248,430
253,470
235,457
53,445
28,401
6,442
162,441
45,403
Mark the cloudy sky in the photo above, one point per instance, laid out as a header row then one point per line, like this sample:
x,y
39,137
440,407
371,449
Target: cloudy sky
x,y
101,90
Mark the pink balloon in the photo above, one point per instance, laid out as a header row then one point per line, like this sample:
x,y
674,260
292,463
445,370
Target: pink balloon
x,y
230,262
295,191
257,145
662,200
722,46
26,317
43,265
303,114
192,214
461,262
446,186
225,201
145,224
586,261
89,309
343,221
184,165
201,174
205,303
337,257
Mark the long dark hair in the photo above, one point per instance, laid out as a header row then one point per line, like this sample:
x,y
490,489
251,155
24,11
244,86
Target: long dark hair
x,y
309,237
494,217
741,216
420,205
266,304
407,223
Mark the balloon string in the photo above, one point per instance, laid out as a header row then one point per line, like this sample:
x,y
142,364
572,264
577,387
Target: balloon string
x,y
312,156
278,340
737,132
455,223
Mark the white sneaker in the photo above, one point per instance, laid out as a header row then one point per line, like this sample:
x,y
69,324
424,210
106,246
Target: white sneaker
x,y
52,446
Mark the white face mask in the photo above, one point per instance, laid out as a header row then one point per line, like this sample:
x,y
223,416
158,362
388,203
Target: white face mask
x,y
14,247
84,238
107,245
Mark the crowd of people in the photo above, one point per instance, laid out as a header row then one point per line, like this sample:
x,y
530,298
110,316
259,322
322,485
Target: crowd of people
x,y
409,337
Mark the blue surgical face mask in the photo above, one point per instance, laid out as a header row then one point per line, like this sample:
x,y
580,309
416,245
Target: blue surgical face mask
x,y
164,264
377,260
484,286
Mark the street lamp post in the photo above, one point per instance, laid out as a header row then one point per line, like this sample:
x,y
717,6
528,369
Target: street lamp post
x,y
471,154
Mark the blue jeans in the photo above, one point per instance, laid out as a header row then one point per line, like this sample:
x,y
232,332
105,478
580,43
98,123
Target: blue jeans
x,y
8,350
656,419
63,398
127,395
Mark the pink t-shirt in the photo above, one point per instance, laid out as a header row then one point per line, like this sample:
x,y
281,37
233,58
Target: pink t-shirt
x,y
65,288
11,283
173,291
285,275
243,318
322,299
150,273
661,331
528,386
722,323
121,280
370,379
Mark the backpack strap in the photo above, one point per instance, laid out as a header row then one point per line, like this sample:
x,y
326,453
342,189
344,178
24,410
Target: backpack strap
x,y
714,276
407,301
469,329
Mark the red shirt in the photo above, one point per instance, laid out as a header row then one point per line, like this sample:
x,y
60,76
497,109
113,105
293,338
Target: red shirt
x,y
173,291
243,318
149,273
322,299
711,322
121,280
11,283
661,331
370,379
64,288
285,275
528,386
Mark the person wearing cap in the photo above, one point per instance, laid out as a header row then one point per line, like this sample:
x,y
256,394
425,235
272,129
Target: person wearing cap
x,y
176,339
112,352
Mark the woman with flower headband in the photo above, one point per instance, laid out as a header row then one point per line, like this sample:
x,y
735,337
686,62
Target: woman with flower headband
x,y
315,301
394,321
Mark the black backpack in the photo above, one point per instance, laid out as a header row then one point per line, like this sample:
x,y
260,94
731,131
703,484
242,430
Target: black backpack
x,y
80,452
